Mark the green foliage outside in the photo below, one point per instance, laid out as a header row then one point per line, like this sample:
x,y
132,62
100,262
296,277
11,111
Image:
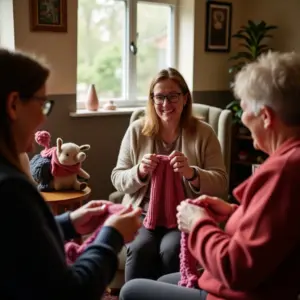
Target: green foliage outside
x,y
101,33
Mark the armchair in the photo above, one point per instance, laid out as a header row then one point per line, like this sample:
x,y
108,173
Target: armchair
x,y
221,122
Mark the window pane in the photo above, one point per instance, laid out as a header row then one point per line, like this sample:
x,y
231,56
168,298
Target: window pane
x,y
153,27
101,37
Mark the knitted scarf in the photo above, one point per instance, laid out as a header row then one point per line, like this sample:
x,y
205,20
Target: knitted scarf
x,y
74,250
57,169
165,194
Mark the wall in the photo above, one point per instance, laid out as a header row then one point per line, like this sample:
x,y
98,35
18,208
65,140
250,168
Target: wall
x,y
283,14
206,73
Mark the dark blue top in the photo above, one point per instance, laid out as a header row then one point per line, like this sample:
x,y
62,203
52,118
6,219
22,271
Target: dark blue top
x,y
33,262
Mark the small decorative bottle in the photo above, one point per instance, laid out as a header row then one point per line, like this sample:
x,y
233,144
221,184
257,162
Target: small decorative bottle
x,y
92,102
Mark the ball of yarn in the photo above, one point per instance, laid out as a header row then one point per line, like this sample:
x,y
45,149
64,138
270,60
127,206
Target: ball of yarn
x,y
43,138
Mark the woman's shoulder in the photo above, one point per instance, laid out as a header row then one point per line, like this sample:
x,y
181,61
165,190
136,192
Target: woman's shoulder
x,y
13,182
135,130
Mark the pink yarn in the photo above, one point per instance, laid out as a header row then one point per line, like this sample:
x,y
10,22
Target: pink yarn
x,y
74,250
57,169
188,264
166,193
43,138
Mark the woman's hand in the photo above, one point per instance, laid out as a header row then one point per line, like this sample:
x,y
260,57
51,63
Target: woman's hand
x,y
188,214
127,222
148,164
218,209
86,218
180,164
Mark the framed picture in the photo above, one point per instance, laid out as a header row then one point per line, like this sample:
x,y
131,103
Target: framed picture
x,y
218,26
48,15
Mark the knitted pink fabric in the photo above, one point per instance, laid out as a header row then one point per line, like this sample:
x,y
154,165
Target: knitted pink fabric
x,y
165,194
74,250
57,169
188,264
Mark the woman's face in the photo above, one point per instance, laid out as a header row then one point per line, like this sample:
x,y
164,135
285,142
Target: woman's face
x,y
255,124
26,117
168,101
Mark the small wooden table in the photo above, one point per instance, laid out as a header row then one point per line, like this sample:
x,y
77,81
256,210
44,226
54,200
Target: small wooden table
x,y
60,201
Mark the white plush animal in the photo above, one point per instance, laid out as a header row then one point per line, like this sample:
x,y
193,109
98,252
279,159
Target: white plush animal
x,y
66,166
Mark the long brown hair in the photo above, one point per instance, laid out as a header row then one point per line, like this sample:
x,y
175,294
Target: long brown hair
x,y
187,120
25,75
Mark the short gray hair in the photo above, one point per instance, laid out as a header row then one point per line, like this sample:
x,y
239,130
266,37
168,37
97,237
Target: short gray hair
x,y
273,80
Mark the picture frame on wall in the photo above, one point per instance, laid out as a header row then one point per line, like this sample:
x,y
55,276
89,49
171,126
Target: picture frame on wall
x,y
218,26
48,15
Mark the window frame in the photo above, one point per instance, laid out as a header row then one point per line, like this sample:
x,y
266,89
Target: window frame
x,y
130,61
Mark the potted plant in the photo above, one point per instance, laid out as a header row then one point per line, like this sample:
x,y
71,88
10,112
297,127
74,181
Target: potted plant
x,y
252,42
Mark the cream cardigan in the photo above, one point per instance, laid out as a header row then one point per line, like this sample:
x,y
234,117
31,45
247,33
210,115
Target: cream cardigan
x,y
202,150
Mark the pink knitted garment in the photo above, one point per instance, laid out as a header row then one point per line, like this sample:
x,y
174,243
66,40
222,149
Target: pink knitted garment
x,y
165,194
57,169
74,250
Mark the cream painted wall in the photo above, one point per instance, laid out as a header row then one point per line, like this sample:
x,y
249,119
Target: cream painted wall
x,y
211,68
59,49
284,14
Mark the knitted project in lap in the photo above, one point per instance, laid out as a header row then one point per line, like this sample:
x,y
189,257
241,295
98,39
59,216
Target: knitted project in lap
x,y
165,194
74,250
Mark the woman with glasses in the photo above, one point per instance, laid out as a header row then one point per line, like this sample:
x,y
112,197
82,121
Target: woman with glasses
x,y
33,260
168,128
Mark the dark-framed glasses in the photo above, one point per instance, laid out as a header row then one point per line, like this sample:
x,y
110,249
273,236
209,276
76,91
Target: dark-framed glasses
x,y
47,107
172,98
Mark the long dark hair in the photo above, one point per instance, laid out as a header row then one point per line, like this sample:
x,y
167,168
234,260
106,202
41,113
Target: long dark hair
x,y
24,74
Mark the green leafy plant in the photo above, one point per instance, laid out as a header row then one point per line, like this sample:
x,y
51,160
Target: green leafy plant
x,y
252,43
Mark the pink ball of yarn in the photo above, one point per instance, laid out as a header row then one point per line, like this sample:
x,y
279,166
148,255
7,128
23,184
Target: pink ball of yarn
x,y
43,138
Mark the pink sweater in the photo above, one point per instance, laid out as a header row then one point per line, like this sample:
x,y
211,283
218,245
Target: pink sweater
x,y
257,256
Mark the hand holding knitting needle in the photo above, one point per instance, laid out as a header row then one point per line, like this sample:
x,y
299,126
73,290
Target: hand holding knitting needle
x,y
127,222
188,214
86,218
217,208
180,164
147,166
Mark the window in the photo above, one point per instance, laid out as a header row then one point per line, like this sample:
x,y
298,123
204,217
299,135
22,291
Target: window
x,y
122,44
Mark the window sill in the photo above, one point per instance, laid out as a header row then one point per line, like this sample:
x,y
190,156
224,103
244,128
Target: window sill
x,y
83,113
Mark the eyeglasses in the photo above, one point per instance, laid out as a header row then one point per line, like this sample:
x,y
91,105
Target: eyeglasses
x,y
160,98
46,106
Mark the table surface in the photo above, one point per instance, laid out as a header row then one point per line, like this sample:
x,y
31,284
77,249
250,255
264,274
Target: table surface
x,y
60,196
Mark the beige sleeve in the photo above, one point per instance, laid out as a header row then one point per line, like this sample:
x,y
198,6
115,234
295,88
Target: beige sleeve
x,y
124,176
213,176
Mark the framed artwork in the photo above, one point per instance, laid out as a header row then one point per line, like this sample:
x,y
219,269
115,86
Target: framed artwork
x,y
48,15
218,26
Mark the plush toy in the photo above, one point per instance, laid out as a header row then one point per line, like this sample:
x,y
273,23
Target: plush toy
x,y
65,162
